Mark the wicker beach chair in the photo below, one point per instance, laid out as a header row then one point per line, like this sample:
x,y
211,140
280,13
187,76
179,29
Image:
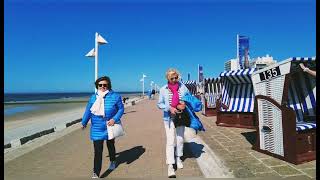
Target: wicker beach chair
x,y
286,111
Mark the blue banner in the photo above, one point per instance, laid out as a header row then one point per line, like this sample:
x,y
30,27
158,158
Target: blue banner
x,y
243,44
200,73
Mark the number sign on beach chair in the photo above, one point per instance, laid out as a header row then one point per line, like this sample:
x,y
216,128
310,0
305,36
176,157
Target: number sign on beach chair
x,y
286,110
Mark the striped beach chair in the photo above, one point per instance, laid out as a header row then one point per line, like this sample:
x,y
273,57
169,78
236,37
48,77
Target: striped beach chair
x,y
212,92
237,99
286,110
302,97
192,86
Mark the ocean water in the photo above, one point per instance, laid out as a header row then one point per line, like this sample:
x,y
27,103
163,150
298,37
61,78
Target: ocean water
x,y
15,108
11,97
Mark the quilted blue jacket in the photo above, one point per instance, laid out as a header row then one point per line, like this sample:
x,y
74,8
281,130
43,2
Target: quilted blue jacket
x,y
193,105
113,108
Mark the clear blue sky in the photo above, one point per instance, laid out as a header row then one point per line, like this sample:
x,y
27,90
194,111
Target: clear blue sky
x,y
45,42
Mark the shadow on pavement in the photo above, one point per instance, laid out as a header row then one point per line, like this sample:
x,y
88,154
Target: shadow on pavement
x,y
127,156
192,150
129,112
250,136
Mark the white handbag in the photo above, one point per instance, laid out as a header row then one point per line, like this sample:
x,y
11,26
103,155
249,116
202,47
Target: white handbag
x,y
115,131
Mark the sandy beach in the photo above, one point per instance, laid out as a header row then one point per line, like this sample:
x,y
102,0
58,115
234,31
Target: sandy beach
x,y
44,116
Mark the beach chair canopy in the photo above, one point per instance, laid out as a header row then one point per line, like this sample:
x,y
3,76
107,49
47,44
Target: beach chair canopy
x,y
302,93
237,90
192,86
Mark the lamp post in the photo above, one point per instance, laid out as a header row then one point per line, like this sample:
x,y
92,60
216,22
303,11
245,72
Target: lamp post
x,y
142,80
94,53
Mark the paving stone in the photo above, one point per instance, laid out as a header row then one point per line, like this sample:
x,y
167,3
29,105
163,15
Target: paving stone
x,y
273,162
267,174
249,160
286,170
298,177
227,144
240,154
242,173
310,172
306,165
258,168
232,164
259,155
237,148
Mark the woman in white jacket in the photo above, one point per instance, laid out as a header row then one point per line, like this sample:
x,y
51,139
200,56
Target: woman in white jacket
x,y
169,97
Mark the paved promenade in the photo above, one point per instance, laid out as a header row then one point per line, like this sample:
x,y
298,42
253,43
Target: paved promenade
x,y
233,146
140,153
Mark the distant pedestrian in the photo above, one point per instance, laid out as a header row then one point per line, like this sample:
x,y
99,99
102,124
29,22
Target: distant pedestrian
x,y
153,92
149,93
169,97
125,99
104,108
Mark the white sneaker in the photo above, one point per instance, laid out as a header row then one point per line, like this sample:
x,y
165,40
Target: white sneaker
x,y
179,163
94,176
112,165
171,173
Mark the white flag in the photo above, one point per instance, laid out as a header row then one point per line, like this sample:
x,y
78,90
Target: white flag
x,y
91,53
141,79
101,40
143,76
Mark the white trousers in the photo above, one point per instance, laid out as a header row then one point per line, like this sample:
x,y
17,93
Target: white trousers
x,y
174,139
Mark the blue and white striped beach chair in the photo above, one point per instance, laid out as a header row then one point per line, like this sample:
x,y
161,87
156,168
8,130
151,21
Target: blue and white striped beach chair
x,y
212,89
302,97
286,110
237,100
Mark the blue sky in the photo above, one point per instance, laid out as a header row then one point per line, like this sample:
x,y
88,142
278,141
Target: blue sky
x,y
45,42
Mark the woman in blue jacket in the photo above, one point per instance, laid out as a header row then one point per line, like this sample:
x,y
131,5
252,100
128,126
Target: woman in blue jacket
x,y
104,108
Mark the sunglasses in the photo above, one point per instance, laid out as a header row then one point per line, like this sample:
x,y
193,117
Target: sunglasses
x,y
174,78
104,85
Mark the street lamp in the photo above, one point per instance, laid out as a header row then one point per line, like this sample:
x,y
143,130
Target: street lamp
x,y
142,80
94,53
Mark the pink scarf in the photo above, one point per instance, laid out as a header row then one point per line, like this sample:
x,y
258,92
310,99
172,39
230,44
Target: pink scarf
x,y
175,97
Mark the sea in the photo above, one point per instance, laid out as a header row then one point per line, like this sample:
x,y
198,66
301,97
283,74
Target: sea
x,y
15,103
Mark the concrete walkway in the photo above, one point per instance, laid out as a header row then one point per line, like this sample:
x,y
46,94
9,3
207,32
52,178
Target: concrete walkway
x,y
140,153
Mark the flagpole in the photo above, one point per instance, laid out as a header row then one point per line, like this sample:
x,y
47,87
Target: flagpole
x,y
96,58
198,73
142,86
94,52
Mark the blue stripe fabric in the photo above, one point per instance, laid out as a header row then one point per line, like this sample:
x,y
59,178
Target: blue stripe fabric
x,y
310,90
303,59
304,126
294,102
302,95
237,90
234,98
245,99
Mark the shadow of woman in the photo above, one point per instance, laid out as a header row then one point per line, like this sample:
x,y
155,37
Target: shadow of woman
x,y
127,156
192,150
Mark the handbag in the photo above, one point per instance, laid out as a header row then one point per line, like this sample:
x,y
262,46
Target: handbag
x,y
181,118
115,131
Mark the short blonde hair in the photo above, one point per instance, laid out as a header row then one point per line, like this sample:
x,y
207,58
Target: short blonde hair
x,y
172,71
